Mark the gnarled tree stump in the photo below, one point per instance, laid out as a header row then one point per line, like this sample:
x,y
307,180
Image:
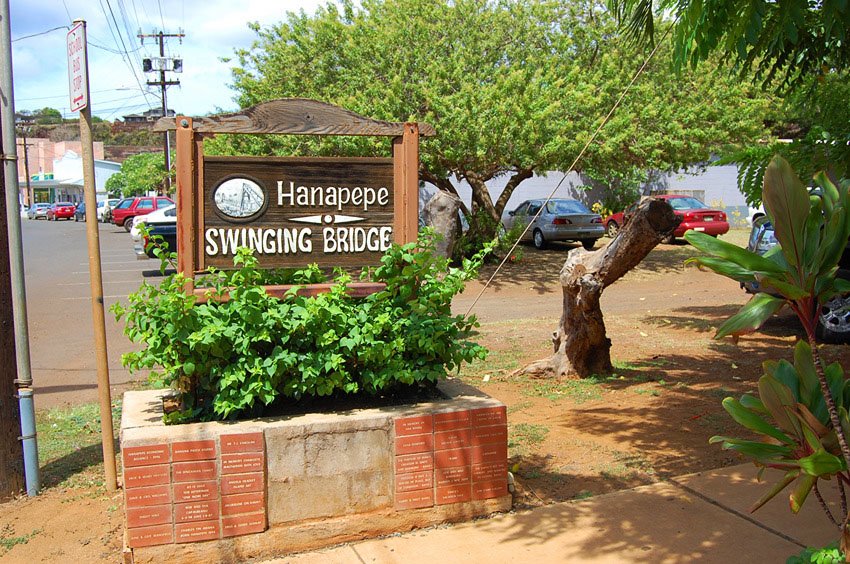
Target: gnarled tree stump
x,y
582,347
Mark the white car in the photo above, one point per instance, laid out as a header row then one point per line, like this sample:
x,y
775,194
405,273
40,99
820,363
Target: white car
x,y
164,215
104,205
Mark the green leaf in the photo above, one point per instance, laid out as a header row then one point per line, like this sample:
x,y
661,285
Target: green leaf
x,y
789,477
753,422
801,492
787,203
735,256
750,317
777,398
822,463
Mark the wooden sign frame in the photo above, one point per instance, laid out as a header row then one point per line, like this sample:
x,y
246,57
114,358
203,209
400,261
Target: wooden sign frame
x,y
290,116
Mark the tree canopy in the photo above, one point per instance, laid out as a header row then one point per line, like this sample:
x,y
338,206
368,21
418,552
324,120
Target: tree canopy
x,y
512,88
139,175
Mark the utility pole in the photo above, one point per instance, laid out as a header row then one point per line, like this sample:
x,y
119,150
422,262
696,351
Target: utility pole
x,y
163,64
27,165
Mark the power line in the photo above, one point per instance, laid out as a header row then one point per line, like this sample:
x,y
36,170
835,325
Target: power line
x,y
41,33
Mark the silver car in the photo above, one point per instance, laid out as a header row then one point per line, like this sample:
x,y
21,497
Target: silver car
x,y
38,210
559,220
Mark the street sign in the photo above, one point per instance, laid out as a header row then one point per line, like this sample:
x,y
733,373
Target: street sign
x,y
78,80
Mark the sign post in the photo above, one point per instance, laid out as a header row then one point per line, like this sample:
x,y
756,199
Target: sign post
x,y
79,91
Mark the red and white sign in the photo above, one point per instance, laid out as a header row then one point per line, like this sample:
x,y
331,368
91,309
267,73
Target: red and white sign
x,y
78,80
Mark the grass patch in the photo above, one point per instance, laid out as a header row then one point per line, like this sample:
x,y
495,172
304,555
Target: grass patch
x,y
523,436
583,494
498,362
70,453
8,540
521,406
579,391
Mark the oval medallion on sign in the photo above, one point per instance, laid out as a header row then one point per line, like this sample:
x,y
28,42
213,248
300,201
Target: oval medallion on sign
x,y
239,198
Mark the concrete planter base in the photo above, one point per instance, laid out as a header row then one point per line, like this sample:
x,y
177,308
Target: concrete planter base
x,y
267,487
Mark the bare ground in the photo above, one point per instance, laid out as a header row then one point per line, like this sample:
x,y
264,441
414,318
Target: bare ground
x,y
568,440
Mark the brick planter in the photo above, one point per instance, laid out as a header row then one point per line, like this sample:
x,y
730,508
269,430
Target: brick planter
x,y
267,487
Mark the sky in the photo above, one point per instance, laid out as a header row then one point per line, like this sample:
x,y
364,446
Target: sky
x,y
212,28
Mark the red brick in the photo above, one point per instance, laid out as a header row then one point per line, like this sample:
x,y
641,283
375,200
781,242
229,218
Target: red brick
x,y
454,457
489,471
147,516
195,491
243,503
458,438
197,471
414,500
489,416
453,494
414,462
196,511
152,495
490,489
243,524
242,483
198,531
187,451
494,452
450,420
150,536
145,455
414,444
414,481
242,442
490,435
243,463
452,476
419,425
143,476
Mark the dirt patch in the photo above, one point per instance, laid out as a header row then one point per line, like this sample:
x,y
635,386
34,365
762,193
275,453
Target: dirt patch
x,y
650,419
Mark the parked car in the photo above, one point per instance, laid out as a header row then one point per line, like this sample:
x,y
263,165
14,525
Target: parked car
x,y
162,222
128,208
80,212
559,220
695,215
104,209
38,210
61,210
834,318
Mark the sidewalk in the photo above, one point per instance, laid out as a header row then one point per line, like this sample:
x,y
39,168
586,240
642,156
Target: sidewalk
x,y
696,517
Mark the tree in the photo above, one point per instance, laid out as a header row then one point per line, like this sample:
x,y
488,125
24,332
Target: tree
x,y
139,174
513,88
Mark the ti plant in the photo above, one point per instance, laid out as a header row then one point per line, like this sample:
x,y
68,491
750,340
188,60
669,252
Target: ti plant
x,y
801,412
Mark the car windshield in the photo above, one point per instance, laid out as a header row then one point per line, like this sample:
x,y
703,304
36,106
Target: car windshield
x,y
686,204
64,204
566,206
124,204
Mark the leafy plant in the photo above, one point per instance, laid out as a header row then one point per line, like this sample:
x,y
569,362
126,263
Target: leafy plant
x,y
801,412
233,357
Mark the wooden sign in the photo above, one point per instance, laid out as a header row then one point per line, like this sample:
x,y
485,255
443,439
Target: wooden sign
x,y
297,211
293,211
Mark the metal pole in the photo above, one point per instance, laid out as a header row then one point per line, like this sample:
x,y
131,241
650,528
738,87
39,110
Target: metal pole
x,y
16,255
27,166
96,277
165,111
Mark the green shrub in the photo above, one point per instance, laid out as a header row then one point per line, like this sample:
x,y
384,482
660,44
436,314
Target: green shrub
x,y
232,358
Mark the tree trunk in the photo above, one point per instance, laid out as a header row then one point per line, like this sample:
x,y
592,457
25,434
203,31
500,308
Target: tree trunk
x,y
441,213
582,347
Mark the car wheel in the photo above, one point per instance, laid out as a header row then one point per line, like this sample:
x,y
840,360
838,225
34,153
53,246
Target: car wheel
x,y
588,244
76,218
834,320
128,224
612,229
539,241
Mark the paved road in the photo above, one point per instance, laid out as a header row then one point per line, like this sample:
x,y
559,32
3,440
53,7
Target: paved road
x,y
59,308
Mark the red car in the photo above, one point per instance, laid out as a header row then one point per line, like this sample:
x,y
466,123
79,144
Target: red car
x,y
695,215
128,208
61,210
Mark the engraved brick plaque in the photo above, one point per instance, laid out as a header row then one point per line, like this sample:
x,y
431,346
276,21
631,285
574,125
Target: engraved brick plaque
x,y
242,463
490,489
452,476
242,483
197,471
414,500
142,476
456,438
147,516
196,532
420,425
453,494
414,481
243,524
494,452
454,457
150,536
489,416
414,462
196,511
242,442
145,455
489,471
450,420
188,451
243,503
151,495
414,444
195,491
490,435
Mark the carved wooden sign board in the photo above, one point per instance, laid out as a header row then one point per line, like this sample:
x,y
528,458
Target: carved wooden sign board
x,y
293,211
